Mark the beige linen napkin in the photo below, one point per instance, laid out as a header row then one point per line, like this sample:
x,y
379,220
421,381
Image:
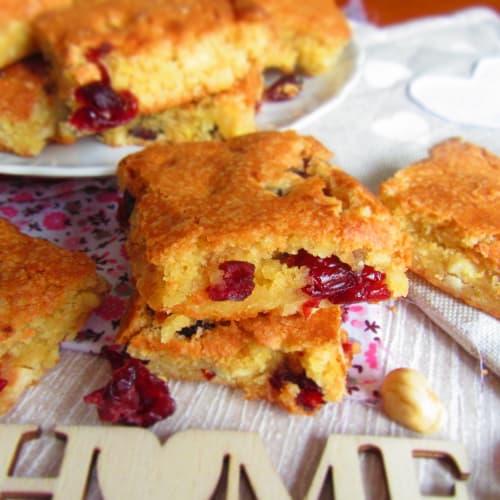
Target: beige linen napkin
x,y
477,332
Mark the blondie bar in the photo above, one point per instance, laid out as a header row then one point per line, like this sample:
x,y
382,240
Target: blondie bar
x,y
28,111
449,204
257,223
115,59
46,294
298,364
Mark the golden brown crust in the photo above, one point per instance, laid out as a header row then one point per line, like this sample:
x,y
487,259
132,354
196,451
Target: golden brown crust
x,y
450,203
16,36
249,199
28,113
164,53
21,86
46,294
27,9
247,354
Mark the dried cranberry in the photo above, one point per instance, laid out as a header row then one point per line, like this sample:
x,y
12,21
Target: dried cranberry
x,y
3,384
126,206
285,88
95,54
310,396
334,280
208,374
101,106
146,134
134,396
237,281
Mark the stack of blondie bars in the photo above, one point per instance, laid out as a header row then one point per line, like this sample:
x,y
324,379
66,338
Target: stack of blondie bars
x,y
142,71
242,253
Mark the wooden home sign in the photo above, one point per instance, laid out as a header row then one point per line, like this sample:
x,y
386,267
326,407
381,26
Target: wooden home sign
x,y
132,464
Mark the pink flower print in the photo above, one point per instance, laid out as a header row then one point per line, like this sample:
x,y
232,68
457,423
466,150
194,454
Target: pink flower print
x,y
107,197
123,252
65,188
357,323
371,355
111,308
357,308
55,221
9,211
73,243
23,197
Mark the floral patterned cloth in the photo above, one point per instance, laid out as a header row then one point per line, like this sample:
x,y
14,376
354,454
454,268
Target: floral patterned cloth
x,y
82,215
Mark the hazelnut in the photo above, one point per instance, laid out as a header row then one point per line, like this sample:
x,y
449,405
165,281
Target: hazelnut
x,y
408,399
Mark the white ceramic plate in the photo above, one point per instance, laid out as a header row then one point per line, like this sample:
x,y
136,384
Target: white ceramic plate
x,y
89,158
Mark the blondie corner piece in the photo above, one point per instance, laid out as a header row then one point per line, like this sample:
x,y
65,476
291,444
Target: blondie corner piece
x,y
116,59
46,294
254,224
308,36
297,363
218,116
16,34
449,204
28,114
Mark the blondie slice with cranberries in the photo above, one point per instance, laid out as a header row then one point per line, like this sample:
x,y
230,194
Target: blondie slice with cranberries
x,y
297,363
217,116
258,223
28,111
116,59
46,294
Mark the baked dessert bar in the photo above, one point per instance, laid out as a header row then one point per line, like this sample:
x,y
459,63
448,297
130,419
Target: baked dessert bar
x,y
449,204
308,36
299,364
28,114
257,223
46,294
218,116
16,34
114,59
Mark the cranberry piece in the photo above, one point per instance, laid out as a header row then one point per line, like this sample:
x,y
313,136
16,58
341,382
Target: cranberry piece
x,y
145,134
126,206
334,280
3,384
237,281
95,55
134,396
208,374
285,88
101,106
310,396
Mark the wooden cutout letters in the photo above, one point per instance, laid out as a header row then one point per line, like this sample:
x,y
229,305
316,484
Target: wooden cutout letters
x,y
132,464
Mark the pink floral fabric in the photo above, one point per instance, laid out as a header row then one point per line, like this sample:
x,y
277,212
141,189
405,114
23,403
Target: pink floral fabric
x,y
81,215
